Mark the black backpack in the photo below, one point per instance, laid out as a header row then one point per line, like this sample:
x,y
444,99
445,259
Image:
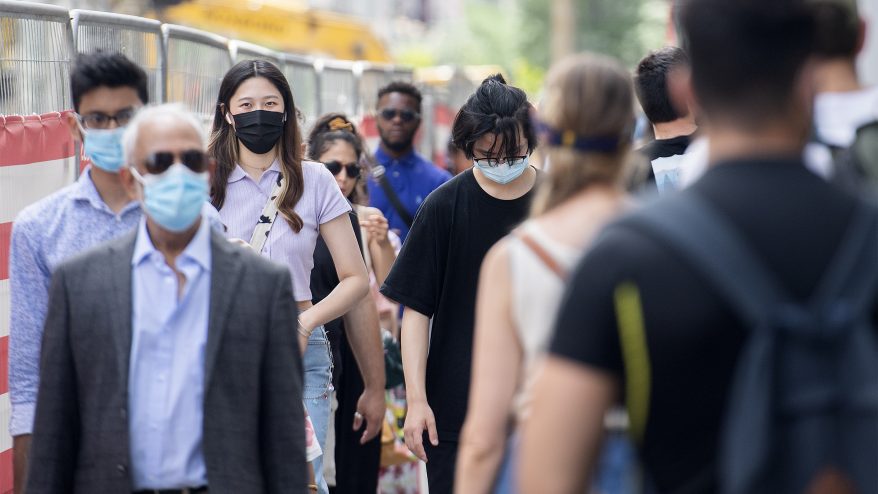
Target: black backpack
x,y
803,404
856,167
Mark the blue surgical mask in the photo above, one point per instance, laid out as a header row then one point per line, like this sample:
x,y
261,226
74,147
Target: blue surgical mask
x,y
174,199
506,172
104,148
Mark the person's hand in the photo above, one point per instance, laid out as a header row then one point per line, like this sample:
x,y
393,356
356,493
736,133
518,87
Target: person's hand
x,y
418,418
370,409
303,331
376,226
241,243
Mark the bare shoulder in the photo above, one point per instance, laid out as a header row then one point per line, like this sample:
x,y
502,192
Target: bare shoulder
x,y
496,263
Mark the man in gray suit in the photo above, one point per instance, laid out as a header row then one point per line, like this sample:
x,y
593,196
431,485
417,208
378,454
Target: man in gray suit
x,y
169,359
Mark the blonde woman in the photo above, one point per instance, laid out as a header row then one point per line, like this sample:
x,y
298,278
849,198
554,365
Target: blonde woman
x,y
586,121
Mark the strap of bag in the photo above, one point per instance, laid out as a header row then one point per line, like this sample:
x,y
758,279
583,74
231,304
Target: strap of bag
x,y
635,357
710,245
692,228
378,173
541,253
266,218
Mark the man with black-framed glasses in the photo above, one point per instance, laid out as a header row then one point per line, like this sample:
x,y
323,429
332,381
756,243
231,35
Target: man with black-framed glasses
x,y
405,178
107,91
437,271
168,361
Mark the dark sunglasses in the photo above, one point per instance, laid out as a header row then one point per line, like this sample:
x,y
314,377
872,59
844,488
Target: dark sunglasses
x,y
192,159
335,167
406,115
99,120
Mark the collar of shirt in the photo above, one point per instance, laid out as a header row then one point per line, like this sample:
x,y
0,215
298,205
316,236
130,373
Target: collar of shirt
x,y
408,160
86,191
238,172
198,250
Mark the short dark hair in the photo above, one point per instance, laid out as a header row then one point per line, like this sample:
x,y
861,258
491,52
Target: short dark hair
x,y
651,83
113,70
838,29
746,54
402,87
495,108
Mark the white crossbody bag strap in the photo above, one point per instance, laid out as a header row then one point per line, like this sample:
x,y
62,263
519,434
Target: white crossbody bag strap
x,y
266,218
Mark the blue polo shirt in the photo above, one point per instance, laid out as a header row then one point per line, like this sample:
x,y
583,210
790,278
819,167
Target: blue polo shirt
x,y
413,178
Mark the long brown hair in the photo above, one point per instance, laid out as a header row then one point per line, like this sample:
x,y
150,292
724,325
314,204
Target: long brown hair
x,y
588,96
224,144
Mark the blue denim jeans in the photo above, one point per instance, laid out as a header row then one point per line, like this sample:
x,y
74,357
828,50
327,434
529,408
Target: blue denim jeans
x,y
316,395
617,470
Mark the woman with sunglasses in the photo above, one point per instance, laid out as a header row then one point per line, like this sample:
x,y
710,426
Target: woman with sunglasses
x,y
267,193
334,141
585,129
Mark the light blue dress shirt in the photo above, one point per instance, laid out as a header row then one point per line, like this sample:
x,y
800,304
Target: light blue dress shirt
x,y
166,370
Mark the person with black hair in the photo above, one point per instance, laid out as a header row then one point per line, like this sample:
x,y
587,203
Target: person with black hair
x,y
406,178
645,320
266,192
355,337
107,90
843,104
436,273
673,128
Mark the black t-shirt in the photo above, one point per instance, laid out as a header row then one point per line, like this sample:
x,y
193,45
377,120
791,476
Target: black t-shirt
x,y
672,148
436,274
665,148
791,218
324,279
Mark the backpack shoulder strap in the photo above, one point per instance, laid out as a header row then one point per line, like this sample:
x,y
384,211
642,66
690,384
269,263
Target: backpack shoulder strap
x,y
692,228
853,272
864,150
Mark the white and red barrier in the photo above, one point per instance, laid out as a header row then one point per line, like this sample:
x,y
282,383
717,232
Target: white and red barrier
x,y
36,159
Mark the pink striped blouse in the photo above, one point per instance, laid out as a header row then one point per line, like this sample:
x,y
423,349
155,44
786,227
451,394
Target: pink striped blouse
x,y
321,202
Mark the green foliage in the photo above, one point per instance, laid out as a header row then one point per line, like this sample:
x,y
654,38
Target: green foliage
x,y
516,35
625,29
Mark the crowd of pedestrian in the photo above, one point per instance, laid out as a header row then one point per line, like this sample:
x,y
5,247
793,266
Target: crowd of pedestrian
x,y
226,311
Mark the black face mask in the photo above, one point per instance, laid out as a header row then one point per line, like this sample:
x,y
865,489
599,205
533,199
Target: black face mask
x,y
259,130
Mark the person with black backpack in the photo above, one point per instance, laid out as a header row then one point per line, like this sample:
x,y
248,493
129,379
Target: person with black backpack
x,y
735,319
845,111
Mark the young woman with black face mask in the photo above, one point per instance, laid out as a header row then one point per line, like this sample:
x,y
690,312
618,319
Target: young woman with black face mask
x,y
267,195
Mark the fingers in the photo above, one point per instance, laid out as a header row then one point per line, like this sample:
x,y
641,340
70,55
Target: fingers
x,y
373,427
414,440
358,421
431,431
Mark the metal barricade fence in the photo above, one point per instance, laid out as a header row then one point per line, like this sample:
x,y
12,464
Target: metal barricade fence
x,y
375,76
137,38
241,50
36,48
196,64
302,77
338,87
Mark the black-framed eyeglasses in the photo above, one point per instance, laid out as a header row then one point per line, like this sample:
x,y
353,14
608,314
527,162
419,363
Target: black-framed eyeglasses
x,y
492,162
192,159
99,120
334,167
406,115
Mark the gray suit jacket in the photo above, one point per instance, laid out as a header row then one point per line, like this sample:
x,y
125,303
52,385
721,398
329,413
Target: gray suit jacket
x,y
253,437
